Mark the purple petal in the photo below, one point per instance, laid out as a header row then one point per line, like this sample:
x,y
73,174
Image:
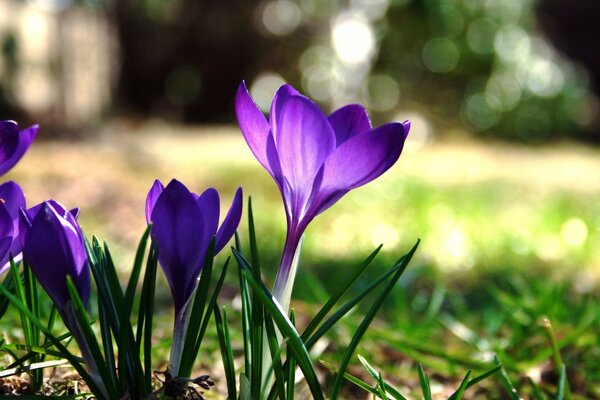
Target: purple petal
x,y
210,209
349,121
5,244
12,197
358,161
54,249
254,126
14,144
304,139
6,223
178,229
283,94
153,193
231,221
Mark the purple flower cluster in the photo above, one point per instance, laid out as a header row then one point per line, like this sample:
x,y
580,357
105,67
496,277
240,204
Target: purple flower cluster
x,y
315,159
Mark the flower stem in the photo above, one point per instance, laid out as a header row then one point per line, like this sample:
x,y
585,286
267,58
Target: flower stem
x,y
284,283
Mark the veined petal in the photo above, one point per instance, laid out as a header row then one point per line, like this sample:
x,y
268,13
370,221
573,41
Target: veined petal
x,y
178,227
349,121
14,144
359,160
304,139
231,221
254,126
153,193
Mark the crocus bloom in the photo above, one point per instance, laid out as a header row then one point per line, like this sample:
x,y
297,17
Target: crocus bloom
x,y
53,246
14,143
11,201
183,224
314,159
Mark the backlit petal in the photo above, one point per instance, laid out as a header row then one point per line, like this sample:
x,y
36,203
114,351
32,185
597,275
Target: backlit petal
x,y
349,121
254,126
359,160
304,139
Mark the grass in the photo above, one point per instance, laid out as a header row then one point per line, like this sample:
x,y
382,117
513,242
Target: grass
x,y
509,238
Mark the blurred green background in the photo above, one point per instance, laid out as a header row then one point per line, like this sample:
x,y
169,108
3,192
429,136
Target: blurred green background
x,y
127,91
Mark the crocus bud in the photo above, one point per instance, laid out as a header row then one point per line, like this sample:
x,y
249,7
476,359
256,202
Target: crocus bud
x,y
53,247
183,225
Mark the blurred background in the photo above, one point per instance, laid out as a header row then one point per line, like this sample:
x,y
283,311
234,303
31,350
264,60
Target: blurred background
x,y
500,171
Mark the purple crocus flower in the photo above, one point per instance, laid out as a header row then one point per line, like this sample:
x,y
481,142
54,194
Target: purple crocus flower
x,y
53,246
183,224
14,143
11,201
314,159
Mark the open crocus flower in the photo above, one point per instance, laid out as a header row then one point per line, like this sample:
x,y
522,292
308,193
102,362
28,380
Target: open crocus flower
x,y
11,201
314,159
14,143
53,247
183,225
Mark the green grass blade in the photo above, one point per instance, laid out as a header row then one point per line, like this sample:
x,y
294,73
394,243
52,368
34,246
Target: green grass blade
x,y
506,382
32,349
338,295
275,350
147,317
87,342
561,389
20,294
199,311
226,351
31,295
463,386
291,366
211,305
380,387
286,328
354,380
350,304
107,342
75,361
367,321
123,331
257,311
246,317
388,387
478,379
135,271
8,284
424,382
536,391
